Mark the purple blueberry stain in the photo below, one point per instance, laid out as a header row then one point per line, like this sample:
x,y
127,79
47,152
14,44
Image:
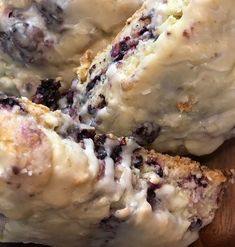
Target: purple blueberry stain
x,y
146,133
10,102
101,169
70,97
154,186
120,49
66,102
201,181
155,164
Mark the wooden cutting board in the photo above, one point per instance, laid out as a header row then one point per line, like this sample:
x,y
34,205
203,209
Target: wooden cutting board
x,y
221,233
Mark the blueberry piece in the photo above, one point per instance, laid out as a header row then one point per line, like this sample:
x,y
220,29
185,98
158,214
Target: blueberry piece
x,y
196,224
93,67
146,133
85,134
91,110
143,30
122,141
100,139
151,197
137,161
202,181
48,93
101,152
15,170
70,97
99,147
115,155
92,83
146,19
158,169
102,102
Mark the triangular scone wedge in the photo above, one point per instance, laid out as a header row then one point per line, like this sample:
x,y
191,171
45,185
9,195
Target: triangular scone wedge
x,y
168,77
63,185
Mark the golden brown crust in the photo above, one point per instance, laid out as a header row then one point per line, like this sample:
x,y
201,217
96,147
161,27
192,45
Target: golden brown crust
x,y
42,114
184,106
27,152
85,63
187,166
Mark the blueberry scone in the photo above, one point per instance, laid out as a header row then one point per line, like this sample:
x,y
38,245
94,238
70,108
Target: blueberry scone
x,y
61,184
45,38
168,77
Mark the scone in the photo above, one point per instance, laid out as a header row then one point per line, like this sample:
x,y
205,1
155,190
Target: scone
x,y
63,185
45,38
168,78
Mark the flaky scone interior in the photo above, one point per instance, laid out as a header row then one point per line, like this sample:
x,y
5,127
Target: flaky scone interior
x,y
61,184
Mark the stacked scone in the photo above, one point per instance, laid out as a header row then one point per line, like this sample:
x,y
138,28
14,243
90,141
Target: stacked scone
x,y
63,185
45,38
167,78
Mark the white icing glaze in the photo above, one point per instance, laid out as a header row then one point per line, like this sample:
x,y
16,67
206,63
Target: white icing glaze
x,y
183,81
65,199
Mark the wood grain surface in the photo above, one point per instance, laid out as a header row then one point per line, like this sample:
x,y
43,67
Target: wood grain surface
x,y
221,233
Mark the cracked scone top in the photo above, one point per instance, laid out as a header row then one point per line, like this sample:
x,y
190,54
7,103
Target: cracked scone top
x,y
67,186
167,78
45,38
